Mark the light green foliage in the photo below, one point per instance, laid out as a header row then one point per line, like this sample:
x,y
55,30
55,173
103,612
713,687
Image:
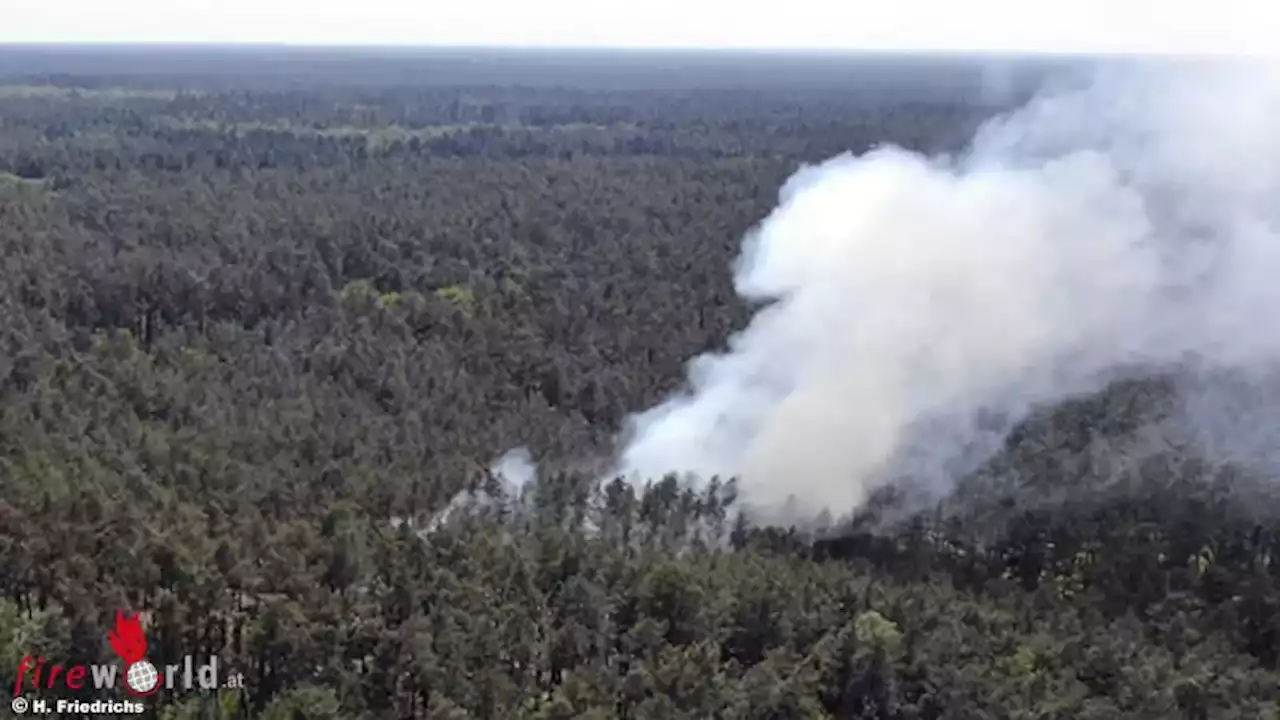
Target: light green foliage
x,y
19,633
460,295
876,631
74,94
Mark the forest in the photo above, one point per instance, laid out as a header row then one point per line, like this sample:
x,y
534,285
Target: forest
x,y
263,318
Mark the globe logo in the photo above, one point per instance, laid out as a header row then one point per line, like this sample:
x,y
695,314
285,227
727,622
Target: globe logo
x,y
141,678
129,642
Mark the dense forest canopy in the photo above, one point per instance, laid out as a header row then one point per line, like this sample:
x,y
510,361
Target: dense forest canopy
x,y
264,314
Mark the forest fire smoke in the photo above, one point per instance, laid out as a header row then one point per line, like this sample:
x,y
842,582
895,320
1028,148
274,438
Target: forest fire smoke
x,y
1125,222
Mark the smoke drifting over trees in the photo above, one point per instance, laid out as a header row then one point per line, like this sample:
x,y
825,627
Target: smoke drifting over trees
x,y
1127,223
268,316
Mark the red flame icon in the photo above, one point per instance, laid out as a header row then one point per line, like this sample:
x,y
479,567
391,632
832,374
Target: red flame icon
x,y
127,638
130,644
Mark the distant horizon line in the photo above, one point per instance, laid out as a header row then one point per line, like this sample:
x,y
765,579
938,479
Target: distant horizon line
x,y
1021,53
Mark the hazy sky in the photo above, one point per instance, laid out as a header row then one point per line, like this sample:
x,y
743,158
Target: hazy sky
x,y
1249,26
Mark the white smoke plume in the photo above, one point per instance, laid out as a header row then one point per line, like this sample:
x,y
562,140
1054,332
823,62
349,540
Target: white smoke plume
x,y
1130,221
514,470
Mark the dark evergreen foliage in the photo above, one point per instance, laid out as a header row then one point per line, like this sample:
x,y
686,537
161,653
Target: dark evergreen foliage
x,y
254,338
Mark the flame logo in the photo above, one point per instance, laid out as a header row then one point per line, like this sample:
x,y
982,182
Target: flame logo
x,y
127,638
129,642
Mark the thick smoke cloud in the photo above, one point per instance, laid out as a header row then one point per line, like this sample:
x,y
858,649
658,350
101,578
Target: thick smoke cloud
x,y
918,306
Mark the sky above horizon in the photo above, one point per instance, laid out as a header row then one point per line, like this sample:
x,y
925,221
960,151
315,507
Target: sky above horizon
x,y
1175,26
